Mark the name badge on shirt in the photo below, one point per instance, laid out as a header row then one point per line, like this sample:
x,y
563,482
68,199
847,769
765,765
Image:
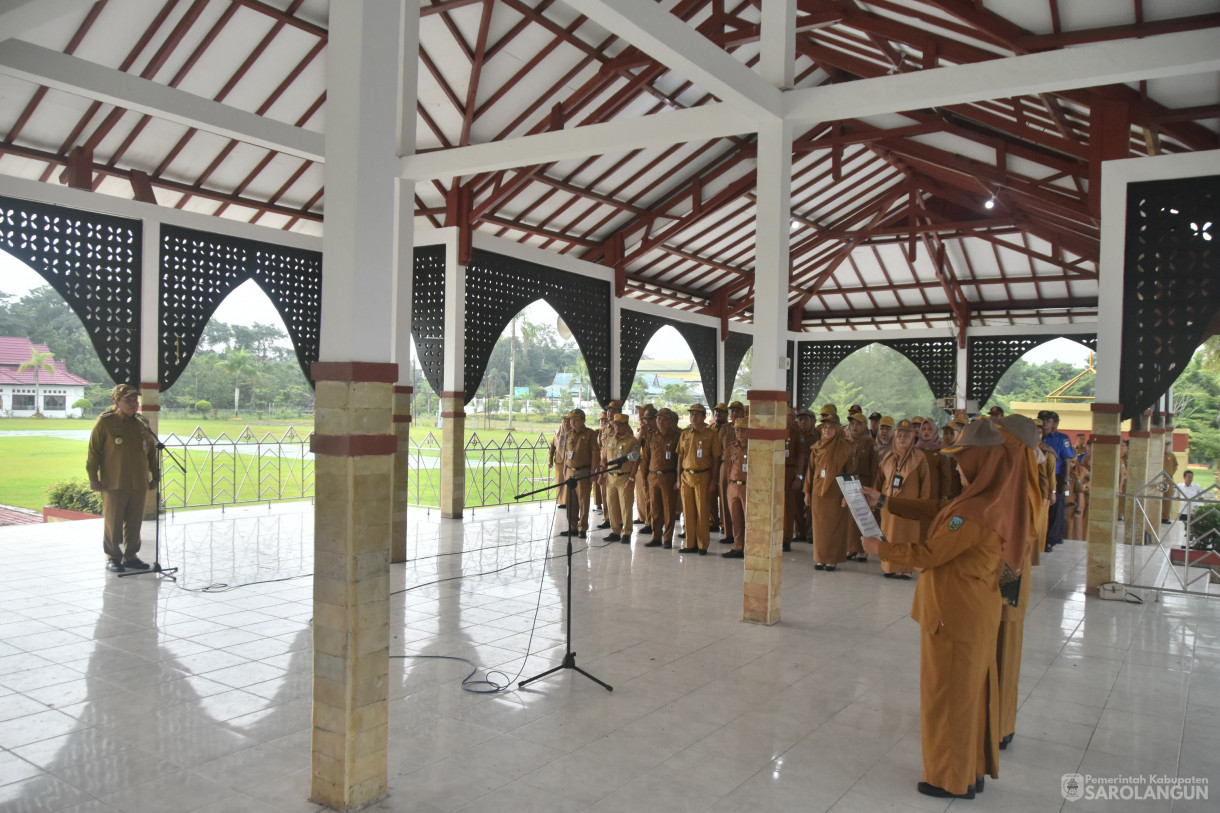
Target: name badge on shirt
x,y
570,455
668,454
699,452
896,483
823,474
745,466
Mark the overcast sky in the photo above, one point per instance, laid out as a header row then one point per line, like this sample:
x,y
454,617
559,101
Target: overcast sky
x,y
248,304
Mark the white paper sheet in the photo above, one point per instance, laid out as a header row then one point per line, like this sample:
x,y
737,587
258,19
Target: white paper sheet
x,y
858,504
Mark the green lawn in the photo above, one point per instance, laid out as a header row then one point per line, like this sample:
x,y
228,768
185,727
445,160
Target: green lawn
x,y
33,464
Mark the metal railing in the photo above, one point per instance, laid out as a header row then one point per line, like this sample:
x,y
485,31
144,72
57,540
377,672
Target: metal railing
x,y
1164,556
237,470
247,468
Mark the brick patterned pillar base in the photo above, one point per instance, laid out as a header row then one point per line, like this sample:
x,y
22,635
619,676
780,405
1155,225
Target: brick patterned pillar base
x,y
354,448
402,471
453,455
1101,534
765,505
1138,462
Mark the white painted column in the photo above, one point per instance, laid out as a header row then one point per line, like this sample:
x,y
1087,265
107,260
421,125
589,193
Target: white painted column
x,y
404,275
150,302
453,397
616,356
962,390
723,385
771,255
354,442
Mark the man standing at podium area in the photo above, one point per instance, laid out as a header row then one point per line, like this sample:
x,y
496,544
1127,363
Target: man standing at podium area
x,y
659,463
122,464
698,459
619,484
580,452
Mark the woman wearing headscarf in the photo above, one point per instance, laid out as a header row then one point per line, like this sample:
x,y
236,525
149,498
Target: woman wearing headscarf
x,y
957,606
940,466
904,472
1021,437
831,456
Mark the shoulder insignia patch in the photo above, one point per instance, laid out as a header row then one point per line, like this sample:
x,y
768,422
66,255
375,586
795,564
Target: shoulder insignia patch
x,y
956,523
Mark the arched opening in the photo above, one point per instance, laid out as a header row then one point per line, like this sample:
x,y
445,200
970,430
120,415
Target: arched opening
x,y
1057,370
48,364
243,368
534,374
667,375
880,379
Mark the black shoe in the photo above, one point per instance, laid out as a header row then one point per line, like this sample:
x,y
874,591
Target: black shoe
x,y
889,575
656,543
625,539
1004,742
638,522
134,563
819,567
703,551
941,793
1048,547
688,550
980,783
830,568
861,558
604,525
728,540
612,538
561,505
667,545
582,534
714,528
682,534
733,554
114,566
906,577
787,547
647,529
851,557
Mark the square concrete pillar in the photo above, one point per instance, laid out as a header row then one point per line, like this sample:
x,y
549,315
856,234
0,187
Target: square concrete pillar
x,y
354,447
453,455
402,471
150,408
765,505
1137,475
1101,535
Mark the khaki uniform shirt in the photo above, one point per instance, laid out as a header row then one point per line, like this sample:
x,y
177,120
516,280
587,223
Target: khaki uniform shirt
x,y
580,449
122,454
735,454
660,451
699,450
615,447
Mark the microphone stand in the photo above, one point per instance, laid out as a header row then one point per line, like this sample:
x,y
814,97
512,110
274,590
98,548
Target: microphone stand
x,y
156,565
569,657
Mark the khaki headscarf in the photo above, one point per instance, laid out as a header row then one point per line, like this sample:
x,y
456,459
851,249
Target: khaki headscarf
x,y
997,498
832,455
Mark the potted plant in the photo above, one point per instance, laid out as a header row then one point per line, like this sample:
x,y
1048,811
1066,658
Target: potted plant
x,y
1203,543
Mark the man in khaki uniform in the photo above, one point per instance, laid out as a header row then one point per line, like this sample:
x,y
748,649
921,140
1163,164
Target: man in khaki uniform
x,y
727,434
659,463
122,464
698,457
648,425
720,420
579,454
796,513
605,431
555,449
619,485
736,467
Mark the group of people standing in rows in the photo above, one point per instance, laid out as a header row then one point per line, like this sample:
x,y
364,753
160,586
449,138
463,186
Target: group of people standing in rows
x,y
970,506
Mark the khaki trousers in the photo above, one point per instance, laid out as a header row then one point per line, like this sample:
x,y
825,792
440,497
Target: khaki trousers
x,y
663,502
583,487
122,515
696,498
619,495
735,499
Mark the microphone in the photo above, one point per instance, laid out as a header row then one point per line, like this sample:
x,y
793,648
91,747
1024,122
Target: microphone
x,y
627,458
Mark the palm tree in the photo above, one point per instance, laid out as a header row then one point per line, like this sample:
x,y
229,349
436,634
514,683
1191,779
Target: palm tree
x,y
243,366
38,362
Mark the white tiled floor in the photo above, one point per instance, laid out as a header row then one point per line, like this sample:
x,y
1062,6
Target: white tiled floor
x,y
138,695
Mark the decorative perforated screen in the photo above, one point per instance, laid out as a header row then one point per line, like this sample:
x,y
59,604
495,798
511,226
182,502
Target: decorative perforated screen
x,y
816,361
735,348
989,357
637,328
198,270
428,313
498,287
1171,283
935,358
93,262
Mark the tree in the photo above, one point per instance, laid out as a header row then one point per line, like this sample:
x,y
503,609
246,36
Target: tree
x,y
243,367
37,362
677,394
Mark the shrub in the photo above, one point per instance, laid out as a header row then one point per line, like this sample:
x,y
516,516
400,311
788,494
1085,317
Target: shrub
x,y
1205,520
203,406
82,403
74,495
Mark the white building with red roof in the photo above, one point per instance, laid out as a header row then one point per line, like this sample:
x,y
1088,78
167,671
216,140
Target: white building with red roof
x,y
58,390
